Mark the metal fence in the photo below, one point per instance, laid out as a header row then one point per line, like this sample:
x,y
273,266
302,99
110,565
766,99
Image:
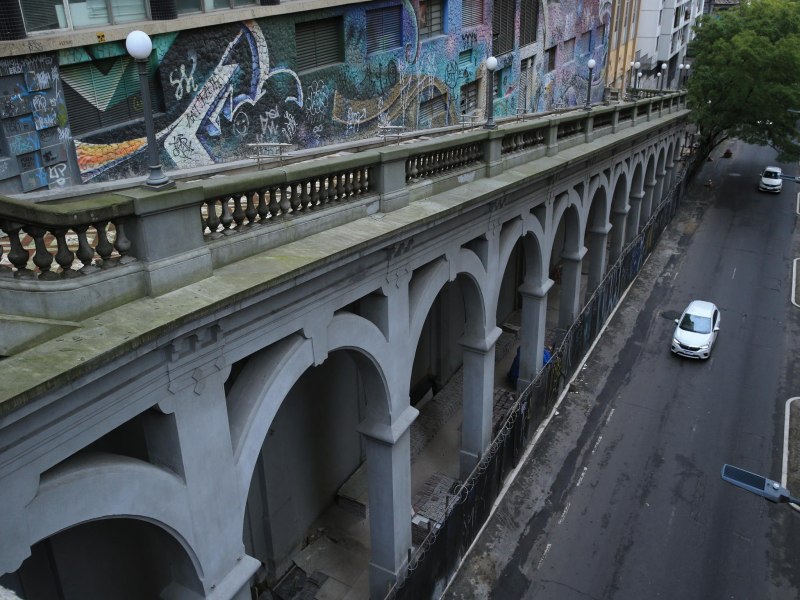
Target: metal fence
x,y
438,557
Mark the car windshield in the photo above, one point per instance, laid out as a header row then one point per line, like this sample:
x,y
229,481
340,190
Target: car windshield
x,y
771,175
695,324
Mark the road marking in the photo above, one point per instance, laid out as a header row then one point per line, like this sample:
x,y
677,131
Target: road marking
x,y
597,443
794,282
785,465
610,415
541,560
564,514
734,273
581,477
797,206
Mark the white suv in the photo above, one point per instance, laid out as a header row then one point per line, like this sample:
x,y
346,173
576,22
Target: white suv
x,y
771,180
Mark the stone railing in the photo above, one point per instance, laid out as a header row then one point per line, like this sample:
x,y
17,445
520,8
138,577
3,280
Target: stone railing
x,y
79,237
61,254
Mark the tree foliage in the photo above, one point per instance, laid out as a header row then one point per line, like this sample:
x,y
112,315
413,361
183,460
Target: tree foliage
x,y
746,75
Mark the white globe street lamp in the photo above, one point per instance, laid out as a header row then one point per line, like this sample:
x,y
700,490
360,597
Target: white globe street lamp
x,y
491,66
139,46
591,64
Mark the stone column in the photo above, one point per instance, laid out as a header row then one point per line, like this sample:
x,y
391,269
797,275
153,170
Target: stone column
x,y
669,178
634,214
658,192
532,330
618,218
191,436
569,298
389,490
598,238
647,202
476,424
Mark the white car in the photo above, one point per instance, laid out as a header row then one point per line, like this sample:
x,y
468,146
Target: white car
x,y
771,180
696,330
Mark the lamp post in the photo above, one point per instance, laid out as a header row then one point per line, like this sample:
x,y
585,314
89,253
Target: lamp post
x,y
636,66
680,76
686,70
638,83
663,76
591,64
491,65
658,80
633,72
139,46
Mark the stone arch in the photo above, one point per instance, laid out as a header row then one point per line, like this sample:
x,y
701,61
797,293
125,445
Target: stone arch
x,y
119,487
428,281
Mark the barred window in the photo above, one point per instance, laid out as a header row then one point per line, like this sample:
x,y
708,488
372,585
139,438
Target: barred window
x,y
319,43
384,29
430,18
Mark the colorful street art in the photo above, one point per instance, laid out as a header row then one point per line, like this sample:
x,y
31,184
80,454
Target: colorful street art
x,y
224,87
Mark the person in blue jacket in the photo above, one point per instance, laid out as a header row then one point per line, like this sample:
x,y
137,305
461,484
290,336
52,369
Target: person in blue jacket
x,y
513,372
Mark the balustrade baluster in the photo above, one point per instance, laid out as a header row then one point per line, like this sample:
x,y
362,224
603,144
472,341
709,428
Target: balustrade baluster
x,y
238,213
17,255
121,242
316,199
212,220
41,257
64,256
263,209
339,187
330,189
85,252
250,212
305,196
278,201
348,184
102,246
295,197
226,218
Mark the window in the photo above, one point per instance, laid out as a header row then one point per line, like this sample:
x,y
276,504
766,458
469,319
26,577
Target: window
x,y
471,13
105,93
503,26
432,112
569,50
465,62
43,15
469,98
551,59
502,81
384,29
528,21
430,18
319,43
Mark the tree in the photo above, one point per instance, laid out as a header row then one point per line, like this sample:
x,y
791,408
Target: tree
x,y
746,76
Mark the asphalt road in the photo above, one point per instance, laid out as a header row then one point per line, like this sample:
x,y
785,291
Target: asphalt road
x,y
621,496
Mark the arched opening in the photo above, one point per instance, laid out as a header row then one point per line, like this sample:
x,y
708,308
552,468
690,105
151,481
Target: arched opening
x,y
595,263
563,304
124,559
309,484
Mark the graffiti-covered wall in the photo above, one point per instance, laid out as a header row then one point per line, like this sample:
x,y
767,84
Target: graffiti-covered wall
x,y
221,88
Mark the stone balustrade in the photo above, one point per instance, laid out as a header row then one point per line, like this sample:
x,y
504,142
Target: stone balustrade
x,y
60,253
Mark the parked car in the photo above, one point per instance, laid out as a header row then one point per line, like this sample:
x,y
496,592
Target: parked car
x,y
696,330
771,180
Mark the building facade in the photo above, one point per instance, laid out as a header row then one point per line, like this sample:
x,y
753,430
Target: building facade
x,y
305,74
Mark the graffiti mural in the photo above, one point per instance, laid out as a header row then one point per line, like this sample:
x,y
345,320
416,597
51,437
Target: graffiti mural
x,y
221,88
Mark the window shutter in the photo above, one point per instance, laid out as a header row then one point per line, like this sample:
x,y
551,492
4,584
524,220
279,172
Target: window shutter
x,y
528,22
471,13
503,26
104,93
319,43
431,109
384,29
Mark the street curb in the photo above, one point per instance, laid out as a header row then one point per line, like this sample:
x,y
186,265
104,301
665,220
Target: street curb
x,y
785,465
794,281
